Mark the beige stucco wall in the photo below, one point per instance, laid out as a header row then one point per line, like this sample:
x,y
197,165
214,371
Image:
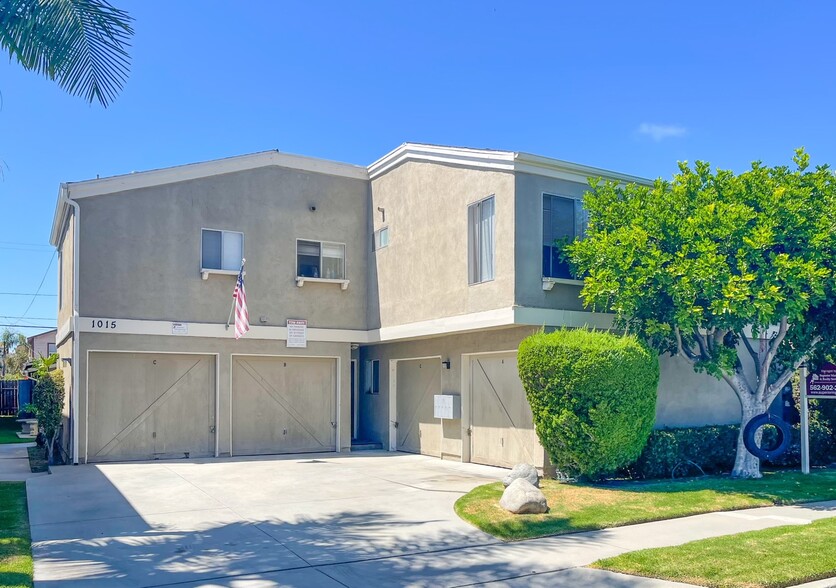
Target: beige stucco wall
x,y
374,408
690,399
140,250
422,274
224,348
65,298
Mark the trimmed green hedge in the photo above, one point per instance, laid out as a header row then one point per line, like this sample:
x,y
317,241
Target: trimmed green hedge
x,y
593,397
711,450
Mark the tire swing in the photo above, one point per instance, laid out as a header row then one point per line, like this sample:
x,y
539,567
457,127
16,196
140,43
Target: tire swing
x,y
784,436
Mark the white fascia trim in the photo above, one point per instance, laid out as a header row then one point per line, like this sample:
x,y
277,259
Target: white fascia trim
x,y
475,321
193,171
64,331
215,330
475,158
566,170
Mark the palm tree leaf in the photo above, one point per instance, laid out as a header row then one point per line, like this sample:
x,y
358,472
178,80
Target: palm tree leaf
x,y
81,44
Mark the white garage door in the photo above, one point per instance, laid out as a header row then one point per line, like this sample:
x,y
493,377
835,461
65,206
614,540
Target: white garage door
x,y
283,405
418,380
150,406
502,429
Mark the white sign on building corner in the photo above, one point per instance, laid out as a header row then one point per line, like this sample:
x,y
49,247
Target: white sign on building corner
x,y
179,329
297,333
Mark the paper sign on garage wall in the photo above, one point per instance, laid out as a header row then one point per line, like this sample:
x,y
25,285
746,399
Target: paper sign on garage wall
x,y
297,333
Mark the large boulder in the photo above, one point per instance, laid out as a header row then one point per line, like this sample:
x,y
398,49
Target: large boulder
x,y
522,497
524,471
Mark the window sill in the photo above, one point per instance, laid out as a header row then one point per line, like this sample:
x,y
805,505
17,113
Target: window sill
x,y
204,273
548,283
300,281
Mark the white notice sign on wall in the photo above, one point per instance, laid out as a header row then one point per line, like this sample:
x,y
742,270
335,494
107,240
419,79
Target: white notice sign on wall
x,y
297,333
179,329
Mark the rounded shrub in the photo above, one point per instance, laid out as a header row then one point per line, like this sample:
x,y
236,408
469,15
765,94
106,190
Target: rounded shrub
x,y
593,397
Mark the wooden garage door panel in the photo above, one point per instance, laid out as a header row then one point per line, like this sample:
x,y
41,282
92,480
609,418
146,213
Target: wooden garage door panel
x,y
145,406
502,425
418,381
283,405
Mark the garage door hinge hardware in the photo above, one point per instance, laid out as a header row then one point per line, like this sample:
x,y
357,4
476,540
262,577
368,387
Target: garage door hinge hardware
x,y
333,425
469,431
394,424
212,428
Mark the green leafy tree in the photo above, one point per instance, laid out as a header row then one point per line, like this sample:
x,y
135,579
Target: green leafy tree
x,y
81,44
14,353
700,264
48,401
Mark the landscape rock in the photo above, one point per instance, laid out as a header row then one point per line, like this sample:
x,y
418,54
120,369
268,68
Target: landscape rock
x,y
522,497
524,471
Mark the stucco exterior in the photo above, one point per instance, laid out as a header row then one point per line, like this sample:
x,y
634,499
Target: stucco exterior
x,y
422,274
154,272
141,289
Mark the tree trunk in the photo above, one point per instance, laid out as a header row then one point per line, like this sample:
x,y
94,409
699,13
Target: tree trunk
x,y
747,465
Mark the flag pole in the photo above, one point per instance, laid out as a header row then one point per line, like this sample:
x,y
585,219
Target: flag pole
x,y
232,308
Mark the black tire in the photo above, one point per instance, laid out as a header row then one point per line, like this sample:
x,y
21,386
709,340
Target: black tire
x,y
784,436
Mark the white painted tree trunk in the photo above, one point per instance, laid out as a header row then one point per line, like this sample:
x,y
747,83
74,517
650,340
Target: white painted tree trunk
x,y
747,465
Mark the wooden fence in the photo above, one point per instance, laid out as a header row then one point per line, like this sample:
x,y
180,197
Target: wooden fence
x,y
8,397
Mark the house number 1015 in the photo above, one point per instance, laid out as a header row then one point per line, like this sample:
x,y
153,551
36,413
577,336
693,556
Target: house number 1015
x,y
100,324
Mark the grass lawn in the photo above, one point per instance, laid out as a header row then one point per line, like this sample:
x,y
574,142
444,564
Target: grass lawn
x,y
8,430
583,507
781,556
15,542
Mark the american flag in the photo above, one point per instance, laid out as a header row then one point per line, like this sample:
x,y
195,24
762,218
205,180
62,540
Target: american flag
x,y
239,296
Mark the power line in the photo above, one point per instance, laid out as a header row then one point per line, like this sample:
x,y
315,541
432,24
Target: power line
x,y
27,326
31,318
41,285
24,294
25,244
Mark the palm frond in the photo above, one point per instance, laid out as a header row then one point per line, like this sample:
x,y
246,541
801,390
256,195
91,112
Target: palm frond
x,y
81,44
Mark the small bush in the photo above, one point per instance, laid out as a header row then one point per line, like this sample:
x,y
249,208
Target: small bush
x,y
691,451
593,397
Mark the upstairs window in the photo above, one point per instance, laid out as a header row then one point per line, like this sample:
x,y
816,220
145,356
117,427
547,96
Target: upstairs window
x,y
563,222
221,250
381,238
320,259
480,241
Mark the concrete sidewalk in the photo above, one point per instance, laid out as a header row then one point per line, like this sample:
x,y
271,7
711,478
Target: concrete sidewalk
x,y
14,462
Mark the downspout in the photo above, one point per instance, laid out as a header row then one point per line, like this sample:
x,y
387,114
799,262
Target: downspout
x,y
76,365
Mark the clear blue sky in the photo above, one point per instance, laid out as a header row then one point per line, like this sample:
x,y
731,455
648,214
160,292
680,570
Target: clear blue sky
x,y
629,86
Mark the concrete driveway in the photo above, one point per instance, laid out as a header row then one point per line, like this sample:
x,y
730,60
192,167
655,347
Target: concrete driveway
x,y
167,522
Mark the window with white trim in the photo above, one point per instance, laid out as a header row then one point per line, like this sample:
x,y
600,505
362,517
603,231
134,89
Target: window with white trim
x,y
221,250
480,241
564,220
381,238
320,259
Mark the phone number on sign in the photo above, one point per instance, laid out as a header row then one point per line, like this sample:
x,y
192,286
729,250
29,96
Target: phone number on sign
x,y
822,387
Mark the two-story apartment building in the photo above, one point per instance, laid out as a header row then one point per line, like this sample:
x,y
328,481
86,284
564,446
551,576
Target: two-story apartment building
x,y
413,277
